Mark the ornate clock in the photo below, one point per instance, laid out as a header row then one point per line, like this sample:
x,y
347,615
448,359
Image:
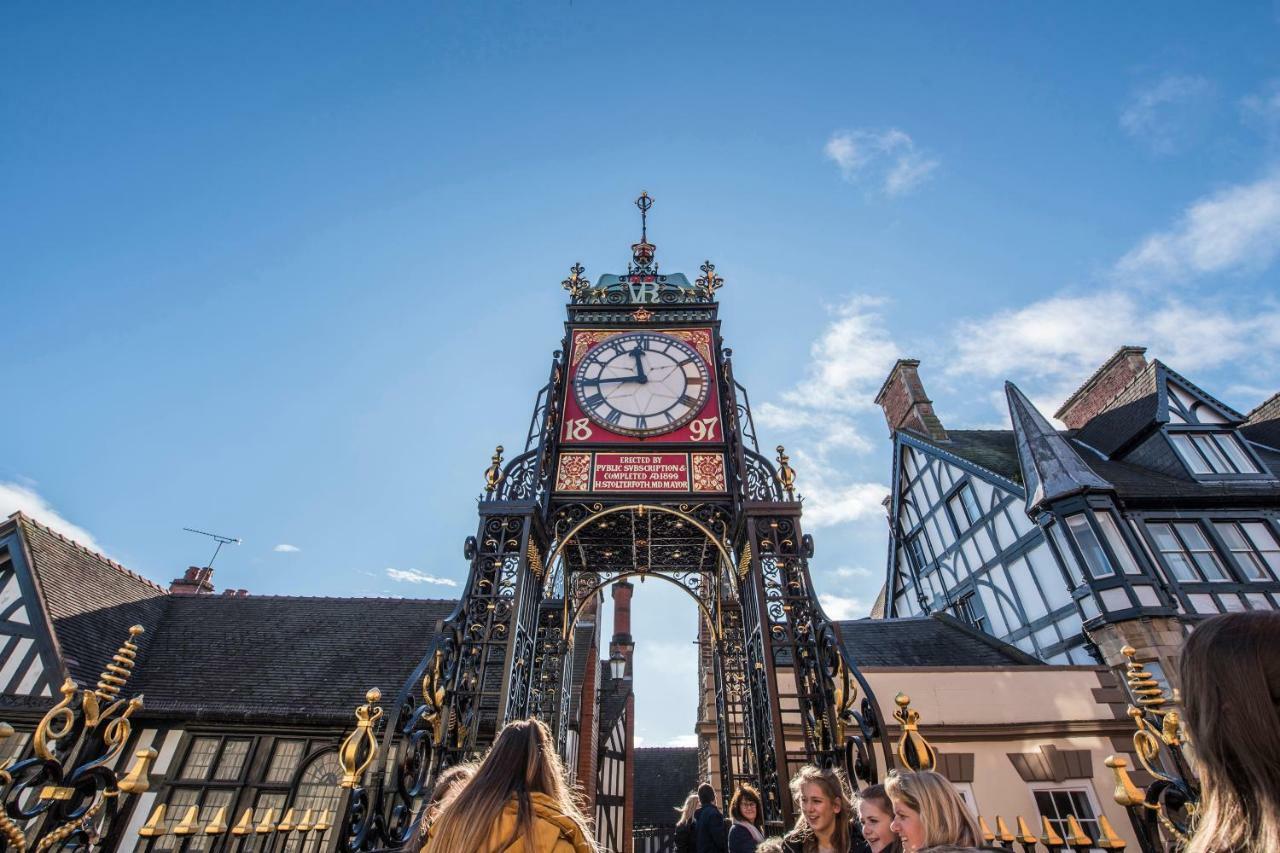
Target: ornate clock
x,y
641,384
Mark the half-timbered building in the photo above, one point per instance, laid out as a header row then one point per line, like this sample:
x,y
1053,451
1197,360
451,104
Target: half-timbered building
x,y
1156,506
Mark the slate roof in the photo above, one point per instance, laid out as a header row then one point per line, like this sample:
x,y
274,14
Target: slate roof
x,y
1052,467
936,640
664,777
91,600
280,657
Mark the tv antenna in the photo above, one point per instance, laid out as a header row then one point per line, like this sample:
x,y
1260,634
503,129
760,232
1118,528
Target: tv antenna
x,y
221,540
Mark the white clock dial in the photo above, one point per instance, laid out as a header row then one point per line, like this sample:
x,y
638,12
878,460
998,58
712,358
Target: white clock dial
x,y
642,383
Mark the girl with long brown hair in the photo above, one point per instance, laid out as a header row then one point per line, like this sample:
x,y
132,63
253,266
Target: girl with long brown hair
x,y
825,824
875,813
518,802
1231,692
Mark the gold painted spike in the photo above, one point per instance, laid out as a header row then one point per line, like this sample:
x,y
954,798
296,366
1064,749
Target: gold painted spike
x,y
245,826
267,824
987,835
1025,835
1126,792
189,824
323,821
1050,838
1002,831
1107,838
109,683
1076,836
286,822
218,825
305,824
136,780
154,825
493,474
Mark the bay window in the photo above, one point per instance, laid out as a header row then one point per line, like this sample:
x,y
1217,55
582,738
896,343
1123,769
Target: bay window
x,y
1208,453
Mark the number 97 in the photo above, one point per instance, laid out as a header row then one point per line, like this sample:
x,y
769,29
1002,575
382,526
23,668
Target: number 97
x,y
704,429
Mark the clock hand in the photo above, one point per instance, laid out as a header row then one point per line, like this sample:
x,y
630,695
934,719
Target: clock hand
x,y
639,354
613,379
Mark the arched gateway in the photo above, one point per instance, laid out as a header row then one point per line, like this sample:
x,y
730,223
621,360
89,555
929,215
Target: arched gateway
x,y
641,458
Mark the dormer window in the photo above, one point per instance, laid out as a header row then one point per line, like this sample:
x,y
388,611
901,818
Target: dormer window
x,y
1210,453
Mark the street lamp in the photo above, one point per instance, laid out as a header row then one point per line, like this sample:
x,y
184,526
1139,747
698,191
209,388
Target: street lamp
x,y
617,664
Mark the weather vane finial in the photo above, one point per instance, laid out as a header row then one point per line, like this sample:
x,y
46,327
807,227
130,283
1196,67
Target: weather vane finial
x,y
644,202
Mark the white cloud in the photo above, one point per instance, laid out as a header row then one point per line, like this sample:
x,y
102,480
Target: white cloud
x,y
683,741
840,607
1237,228
1263,108
17,497
415,576
848,572
849,360
889,158
284,548
1166,114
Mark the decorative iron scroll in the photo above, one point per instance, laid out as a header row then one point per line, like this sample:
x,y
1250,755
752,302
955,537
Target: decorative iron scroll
x,y
1165,812
68,794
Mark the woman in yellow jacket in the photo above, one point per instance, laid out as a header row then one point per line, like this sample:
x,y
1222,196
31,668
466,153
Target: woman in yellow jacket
x,y
518,802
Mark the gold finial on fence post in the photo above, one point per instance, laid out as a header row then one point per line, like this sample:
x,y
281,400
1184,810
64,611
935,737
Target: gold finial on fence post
x,y
361,746
1107,837
493,474
913,750
1049,838
1026,837
1076,837
786,474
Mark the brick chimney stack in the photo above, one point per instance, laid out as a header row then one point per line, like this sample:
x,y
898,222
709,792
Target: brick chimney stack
x,y
622,641
906,405
197,581
1102,387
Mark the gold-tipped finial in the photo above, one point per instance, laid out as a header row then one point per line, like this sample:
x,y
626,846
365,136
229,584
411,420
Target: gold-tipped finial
x,y
493,474
1107,837
1002,831
267,824
913,750
116,675
786,474
136,781
245,825
988,837
218,825
304,825
1076,836
1126,792
286,822
155,824
1025,836
361,746
1050,838
323,822
189,824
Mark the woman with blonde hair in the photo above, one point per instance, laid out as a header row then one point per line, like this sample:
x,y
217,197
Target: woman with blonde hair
x,y
686,828
450,781
1231,701
927,812
518,802
825,824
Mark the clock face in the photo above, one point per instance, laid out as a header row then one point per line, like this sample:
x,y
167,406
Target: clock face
x,y
642,383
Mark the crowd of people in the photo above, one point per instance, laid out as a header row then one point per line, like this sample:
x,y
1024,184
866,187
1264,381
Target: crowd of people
x,y
517,799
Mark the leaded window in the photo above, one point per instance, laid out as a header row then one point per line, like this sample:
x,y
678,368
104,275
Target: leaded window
x,y
1207,453
963,505
1254,547
1187,552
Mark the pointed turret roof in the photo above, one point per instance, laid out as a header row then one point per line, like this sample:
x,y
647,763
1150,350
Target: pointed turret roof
x,y
1051,468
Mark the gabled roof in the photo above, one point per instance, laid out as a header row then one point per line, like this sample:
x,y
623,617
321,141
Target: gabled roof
x,y
664,776
925,641
284,658
1263,424
91,600
989,449
1051,468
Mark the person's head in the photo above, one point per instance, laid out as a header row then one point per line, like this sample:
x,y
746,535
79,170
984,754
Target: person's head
x,y
747,807
822,798
770,845
706,794
522,761
690,806
927,812
448,784
875,813
1231,692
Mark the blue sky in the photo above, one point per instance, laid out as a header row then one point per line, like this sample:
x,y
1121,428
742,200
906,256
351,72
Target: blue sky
x,y
289,273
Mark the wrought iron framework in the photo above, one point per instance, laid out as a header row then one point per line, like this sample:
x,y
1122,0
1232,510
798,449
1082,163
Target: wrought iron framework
x,y
538,557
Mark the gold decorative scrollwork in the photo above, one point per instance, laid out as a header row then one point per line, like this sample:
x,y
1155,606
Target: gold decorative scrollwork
x,y
744,562
493,474
913,750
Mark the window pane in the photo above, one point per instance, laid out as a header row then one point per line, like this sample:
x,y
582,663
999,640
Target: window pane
x,y
958,513
1085,538
970,503
287,754
1231,447
1117,543
1073,568
1260,536
1193,536
231,762
200,758
1217,459
213,802
1250,563
1189,454
1206,558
